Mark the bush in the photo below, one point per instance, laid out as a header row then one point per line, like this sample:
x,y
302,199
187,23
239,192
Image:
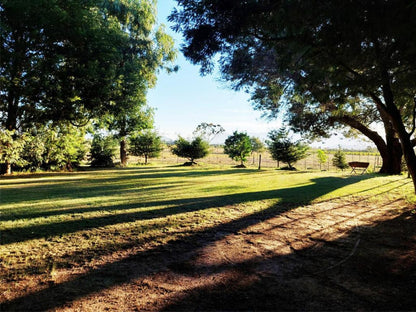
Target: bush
x,y
103,150
50,147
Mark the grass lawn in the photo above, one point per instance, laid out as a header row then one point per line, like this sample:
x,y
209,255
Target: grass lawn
x,y
180,238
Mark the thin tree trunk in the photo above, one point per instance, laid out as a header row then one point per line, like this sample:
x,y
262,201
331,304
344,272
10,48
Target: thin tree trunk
x,y
123,153
259,161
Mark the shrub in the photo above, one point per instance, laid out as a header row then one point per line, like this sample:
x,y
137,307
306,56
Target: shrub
x,y
102,151
339,160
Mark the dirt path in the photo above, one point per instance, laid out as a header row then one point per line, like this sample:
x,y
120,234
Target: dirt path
x,y
354,255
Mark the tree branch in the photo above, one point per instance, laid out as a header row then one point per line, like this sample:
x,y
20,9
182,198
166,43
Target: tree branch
x,y
372,135
414,118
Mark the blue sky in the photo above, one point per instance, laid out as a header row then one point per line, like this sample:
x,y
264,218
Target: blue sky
x,y
185,99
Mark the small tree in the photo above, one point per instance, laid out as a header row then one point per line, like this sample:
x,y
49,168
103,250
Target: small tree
x,y
208,131
322,158
238,147
102,151
283,149
11,147
257,146
195,149
339,160
147,144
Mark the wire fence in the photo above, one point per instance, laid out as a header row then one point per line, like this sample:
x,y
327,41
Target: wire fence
x,y
311,162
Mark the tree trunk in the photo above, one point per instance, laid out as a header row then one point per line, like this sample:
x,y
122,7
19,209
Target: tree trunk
x,y
390,150
123,153
145,159
397,122
7,168
407,146
392,158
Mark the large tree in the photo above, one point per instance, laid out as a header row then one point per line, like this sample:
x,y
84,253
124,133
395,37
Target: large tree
x,y
75,60
326,53
147,50
58,60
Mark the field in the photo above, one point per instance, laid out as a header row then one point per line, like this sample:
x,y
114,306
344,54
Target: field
x,y
163,237
217,157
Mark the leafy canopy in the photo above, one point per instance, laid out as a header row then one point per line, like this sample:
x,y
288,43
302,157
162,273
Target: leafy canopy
x,y
346,59
322,156
238,146
208,131
74,60
103,150
192,150
257,145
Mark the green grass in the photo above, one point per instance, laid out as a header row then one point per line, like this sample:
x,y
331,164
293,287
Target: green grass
x,y
65,220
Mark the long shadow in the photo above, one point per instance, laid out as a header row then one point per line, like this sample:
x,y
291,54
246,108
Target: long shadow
x,y
158,258
29,213
123,174
361,271
292,196
103,185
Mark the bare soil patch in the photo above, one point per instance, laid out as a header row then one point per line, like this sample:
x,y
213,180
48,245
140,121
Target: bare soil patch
x,y
336,255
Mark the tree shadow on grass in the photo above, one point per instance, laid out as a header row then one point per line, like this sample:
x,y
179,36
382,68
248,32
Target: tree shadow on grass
x,y
375,276
100,183
159,258
370,269
291,197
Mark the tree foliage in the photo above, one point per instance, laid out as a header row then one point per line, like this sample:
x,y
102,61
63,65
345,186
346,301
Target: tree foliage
x,y
350,62
11,147
71,60
238,147
283,149
147,144
192,150
50,147
80,60
103,149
